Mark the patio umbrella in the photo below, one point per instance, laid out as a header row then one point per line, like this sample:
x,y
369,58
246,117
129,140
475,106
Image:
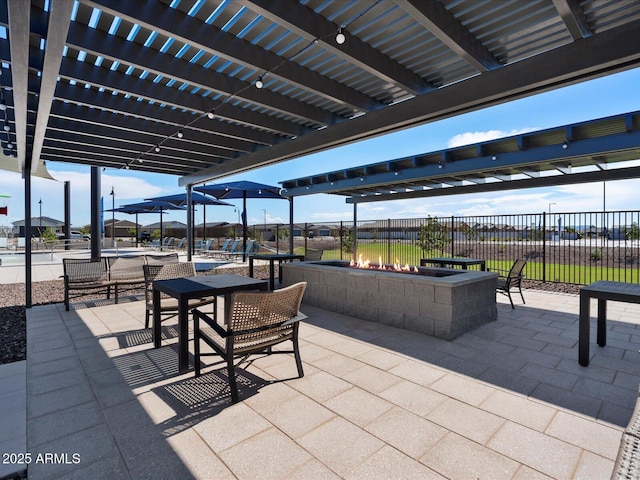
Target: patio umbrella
x,y
242,189
180,199
131,211
153,206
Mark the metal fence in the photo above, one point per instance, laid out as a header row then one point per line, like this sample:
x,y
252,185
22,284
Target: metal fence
x,y
574,248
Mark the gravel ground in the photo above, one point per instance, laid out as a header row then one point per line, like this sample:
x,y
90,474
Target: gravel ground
x,y
13,343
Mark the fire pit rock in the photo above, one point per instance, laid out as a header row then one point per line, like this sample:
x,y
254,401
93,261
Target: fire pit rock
x,y
440,302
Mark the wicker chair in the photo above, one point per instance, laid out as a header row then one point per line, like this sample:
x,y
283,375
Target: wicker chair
x,y
511,279
162,259
169,305
254,323
82,274
126,271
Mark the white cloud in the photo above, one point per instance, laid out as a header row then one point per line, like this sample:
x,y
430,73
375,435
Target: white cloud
x,y
469,138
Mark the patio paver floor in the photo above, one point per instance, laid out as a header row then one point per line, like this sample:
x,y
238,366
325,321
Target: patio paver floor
x,y
507,400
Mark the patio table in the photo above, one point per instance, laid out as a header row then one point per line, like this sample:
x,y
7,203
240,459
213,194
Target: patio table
x,y
272,258
603,291
463,262
184,289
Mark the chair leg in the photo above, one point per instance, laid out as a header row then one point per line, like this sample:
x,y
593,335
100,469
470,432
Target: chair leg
x,y
146,319
232,379
510,299
196,346
520,288
296,353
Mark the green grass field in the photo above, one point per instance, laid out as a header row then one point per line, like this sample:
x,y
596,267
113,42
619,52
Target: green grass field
x,y
573,274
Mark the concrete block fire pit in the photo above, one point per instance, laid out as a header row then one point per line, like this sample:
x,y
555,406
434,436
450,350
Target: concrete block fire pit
x,y
440,302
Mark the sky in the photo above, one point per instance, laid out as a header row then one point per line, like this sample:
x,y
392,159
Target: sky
x,y
610,95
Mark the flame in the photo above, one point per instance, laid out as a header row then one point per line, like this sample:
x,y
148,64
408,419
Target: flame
x,y
397,267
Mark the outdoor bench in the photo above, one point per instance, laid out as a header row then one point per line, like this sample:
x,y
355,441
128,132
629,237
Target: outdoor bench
x,y
84,274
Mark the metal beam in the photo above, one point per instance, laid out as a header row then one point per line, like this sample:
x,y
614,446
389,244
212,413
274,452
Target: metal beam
x,y
166,65
303,21
191,31
612,51
59,20
586,177
19,41
433,16
573,17
136,87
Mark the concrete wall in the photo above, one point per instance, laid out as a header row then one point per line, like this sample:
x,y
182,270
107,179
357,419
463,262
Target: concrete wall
x,y
444,307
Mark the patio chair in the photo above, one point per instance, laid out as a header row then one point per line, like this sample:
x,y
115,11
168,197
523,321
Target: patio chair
x,y
162,259
169,305
202,247
220,253
313,255
249,250
180,245
255,322
511,279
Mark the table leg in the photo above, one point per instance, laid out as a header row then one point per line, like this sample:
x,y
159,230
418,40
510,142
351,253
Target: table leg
x,y
271,273
483,267
157,331
251,267
583,325
183,335
602,322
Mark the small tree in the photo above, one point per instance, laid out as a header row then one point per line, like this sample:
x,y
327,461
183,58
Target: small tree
x,y
155,235
49,235
633,232
432,236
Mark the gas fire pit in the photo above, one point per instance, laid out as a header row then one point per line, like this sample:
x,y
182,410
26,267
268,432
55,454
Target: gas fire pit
x,y
441,302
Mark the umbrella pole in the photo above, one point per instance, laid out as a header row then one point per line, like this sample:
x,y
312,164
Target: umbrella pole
x,y
244,226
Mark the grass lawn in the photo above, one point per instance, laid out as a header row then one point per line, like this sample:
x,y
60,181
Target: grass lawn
x,y
574,274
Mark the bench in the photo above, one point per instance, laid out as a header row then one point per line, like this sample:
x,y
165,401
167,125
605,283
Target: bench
x,y
627,463
83,275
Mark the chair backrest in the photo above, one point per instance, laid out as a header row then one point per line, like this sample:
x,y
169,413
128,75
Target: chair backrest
x,y
126,267
181,243
234,246
517,268
253,313
84,270
164,272
225,245
250,245
313,255
162,259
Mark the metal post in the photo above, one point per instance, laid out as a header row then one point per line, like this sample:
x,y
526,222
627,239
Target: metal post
x,y
291,225
67,212
113,218
27,234
96,211
190,222
544,247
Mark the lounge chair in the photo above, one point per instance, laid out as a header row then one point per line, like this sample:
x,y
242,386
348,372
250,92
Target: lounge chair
x,y
249,250
511,279
203,246
180,245
253,324
220,253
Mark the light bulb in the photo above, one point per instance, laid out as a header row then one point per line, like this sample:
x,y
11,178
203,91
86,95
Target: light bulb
x,y
340,38
259,82
180,134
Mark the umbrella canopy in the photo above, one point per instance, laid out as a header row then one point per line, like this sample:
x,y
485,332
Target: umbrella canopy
x,y
151,206
242,189
180,199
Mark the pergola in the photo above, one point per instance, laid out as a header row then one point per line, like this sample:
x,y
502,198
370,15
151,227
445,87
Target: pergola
x,y
207,88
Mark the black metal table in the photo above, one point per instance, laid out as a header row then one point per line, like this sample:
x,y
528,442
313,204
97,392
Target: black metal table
x,y
603,291
272,258
184,289
462,262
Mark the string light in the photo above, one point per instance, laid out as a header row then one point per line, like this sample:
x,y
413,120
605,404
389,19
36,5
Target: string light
x,y
180,134
340,37
259,82
156,149
211,113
